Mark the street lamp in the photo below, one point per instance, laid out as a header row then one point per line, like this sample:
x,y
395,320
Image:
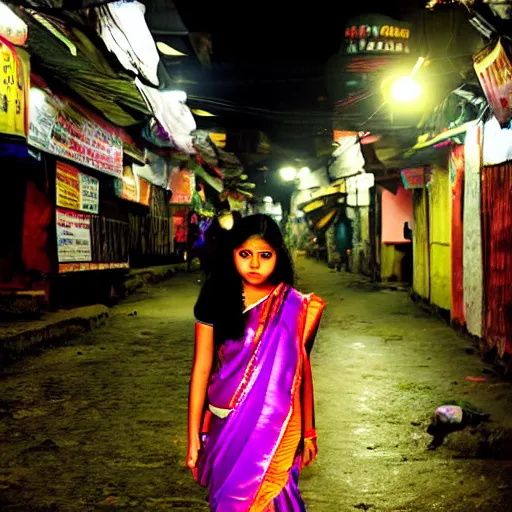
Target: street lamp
x,y
405,90
304,173
288,173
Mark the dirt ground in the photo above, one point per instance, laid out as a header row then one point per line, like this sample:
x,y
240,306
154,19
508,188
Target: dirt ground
x,y
100,423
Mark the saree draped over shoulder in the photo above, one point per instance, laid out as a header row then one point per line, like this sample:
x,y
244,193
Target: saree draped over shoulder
x,y
250,461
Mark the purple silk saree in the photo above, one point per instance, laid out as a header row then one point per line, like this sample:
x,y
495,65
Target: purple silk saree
x,y
250,460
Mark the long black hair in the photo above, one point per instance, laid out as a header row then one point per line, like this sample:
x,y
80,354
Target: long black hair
x,y
222,291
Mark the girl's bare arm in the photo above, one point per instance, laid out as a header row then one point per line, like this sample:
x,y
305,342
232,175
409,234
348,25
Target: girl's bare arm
x,y
201,369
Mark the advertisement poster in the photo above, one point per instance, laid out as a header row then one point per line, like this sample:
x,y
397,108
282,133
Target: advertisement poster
x,y
73,237
494,71
14,71
76,190
89,193
60,129
182,185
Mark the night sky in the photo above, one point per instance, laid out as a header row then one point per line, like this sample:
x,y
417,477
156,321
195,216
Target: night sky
x,y
272,57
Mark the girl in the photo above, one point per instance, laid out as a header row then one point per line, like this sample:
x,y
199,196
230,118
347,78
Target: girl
x,y
252,376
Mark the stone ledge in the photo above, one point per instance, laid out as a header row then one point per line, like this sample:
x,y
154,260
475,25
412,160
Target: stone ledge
x,y
139,277
18,338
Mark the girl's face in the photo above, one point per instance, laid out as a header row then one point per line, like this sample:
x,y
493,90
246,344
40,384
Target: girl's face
x,y
255,260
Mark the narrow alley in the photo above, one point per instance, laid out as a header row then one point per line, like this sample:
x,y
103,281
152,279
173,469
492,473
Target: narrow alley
x,y
100,423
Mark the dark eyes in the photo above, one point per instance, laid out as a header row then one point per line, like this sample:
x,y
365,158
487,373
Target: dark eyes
x,y
264,255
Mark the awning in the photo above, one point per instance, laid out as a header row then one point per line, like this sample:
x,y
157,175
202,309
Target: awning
x,y
446,135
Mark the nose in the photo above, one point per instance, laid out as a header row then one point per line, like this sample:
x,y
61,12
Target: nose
x,y
255,261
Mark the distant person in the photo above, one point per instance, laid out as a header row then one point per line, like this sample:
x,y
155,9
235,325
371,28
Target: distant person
x,y
180,239
252,376
217,237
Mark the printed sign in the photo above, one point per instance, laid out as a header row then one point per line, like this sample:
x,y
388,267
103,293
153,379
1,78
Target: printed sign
x,y
59,128
182,185
89,193
133,188
76,190
494,71
65,268
380,35
414,178
73,237
14,72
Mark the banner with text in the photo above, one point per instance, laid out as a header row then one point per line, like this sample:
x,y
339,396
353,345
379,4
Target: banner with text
x,y
57,127
73,237
14,84
76,190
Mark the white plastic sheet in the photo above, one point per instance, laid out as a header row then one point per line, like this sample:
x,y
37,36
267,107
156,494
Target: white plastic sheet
x,y
124,31
172,113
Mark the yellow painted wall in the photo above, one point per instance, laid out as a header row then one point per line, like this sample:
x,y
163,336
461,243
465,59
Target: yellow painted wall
x,y
421,277
440,239
391,263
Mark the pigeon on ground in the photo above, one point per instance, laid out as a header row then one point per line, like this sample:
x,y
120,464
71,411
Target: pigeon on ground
x,y
451,418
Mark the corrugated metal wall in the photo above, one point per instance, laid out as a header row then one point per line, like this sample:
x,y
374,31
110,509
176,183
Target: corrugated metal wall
x,y
457,190
440,239
473,271
421,279
497,236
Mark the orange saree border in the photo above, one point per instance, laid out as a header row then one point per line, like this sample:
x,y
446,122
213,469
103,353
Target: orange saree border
x,y
278,471
314,312
273,302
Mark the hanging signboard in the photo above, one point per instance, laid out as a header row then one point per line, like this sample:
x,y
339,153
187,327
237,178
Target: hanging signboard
x,y
494,71
14,83
57,127
414,178
129,189
182,185
376,34
76,190
133,188
73,237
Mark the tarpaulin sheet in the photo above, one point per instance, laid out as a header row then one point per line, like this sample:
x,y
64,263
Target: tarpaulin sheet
x,y
88,74
174,116
125,33
156,171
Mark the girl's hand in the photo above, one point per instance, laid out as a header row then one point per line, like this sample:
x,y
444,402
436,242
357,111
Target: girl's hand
x,y
310,451
194,446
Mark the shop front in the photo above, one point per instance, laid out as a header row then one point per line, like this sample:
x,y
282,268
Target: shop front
x,y
396,250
